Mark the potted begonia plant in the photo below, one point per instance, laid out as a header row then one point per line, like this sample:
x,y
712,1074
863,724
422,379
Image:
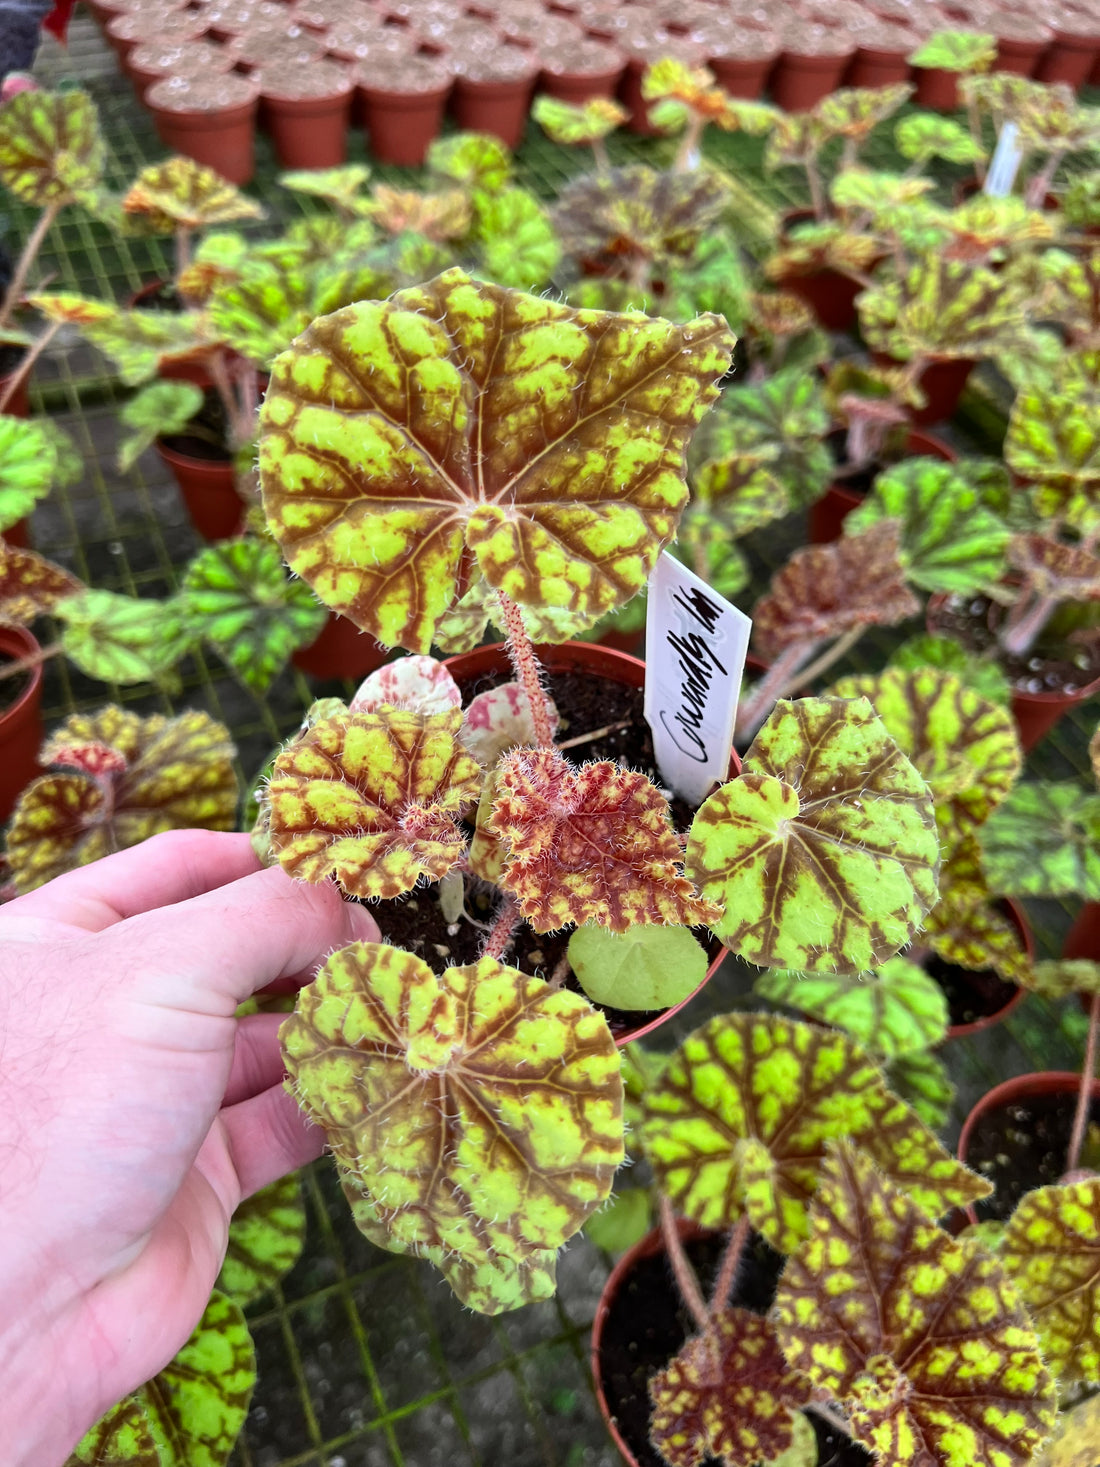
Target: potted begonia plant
x,y
948,56
464,527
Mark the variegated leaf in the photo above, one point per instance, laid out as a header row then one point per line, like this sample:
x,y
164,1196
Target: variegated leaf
x,y
1044,841
266,1236
51,151
122,1438
30,584
574,125
402,441
418,683
919,1335
122,639
181,192
823,853
373,799
137,342
593,844
500,720
478,1113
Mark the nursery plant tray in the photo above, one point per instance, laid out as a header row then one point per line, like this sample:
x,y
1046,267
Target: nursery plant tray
x,y
366,1359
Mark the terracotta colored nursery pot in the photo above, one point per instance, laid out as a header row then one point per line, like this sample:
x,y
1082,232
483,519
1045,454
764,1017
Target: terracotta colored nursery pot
x,y
1071,54
401,125
1015,914
212,119
208,491
603,663
1083,938
804,77
173,371
1019,1090
340,651
18,535
942,381
744,77
591,69
937,88
18,405
496,105
310,128
830,294
20,722
827,515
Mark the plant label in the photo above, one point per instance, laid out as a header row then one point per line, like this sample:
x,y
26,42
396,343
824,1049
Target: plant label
x,y
1005,163
695,655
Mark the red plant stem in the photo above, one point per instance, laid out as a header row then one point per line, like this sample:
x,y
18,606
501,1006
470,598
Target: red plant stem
x,y
682,1270
526,667
817,193
30,662
687,156
183,249
727,1272
805,675
503,930
599,152
762,698
30,356
14,291
1020,635
1084,1095
1039,186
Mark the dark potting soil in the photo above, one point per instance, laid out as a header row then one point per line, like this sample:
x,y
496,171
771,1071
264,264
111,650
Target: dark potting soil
x,y
10,357
211,435
1021,1146
970,995
416,923
647,1323
974,620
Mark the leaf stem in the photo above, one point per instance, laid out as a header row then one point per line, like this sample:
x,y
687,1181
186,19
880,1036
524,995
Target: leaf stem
x,y
31,661
1021,633
14,292
1084,1095
727,1272
599,152
503,929
526,667
682,1270
821,665
30,356
763,697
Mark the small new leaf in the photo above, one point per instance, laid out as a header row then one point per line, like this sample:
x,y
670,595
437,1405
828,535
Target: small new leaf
x,y
920,1335
593,844
574,126
373,799
644,968
160,408
418,683
182,193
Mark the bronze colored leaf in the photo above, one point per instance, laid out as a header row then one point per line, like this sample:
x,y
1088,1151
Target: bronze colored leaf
x,y
180,192
30,584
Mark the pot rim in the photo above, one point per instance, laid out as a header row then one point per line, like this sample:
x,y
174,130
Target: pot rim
x,y
21,643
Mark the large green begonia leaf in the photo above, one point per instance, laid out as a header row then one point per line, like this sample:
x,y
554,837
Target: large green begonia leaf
x,y
739,1120
122,1438
919,1335
475,1115
823,851
920,1078
786,417
965,747
51,150
515,239
1044,841
459,424
261,312
265,1240
947,655
122,639
160,408
891,1011
949,540
239,598
946,308
35,456
198,1403
166,774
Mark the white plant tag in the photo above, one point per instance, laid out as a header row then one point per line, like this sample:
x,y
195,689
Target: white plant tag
x,y
695,655
1005,163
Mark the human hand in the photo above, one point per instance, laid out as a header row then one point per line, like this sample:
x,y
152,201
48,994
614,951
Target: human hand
x,y
136,1111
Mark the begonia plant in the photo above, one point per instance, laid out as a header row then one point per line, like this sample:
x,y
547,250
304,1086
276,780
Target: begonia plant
x,y
537,473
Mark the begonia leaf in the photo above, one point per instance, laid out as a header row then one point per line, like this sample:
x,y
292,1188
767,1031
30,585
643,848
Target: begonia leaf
x,y
945,308
949,541
1054,569
920,1335
744,489
822,245
493,1284
728,1395
499,720
218,258
795,138
623,1221
440,216
30,584
198,1403
785,418
985,223
122,1438
855,112
920,1078
121,639
1044,841
51,150
891,1010
266,1235
965,747
477,160
261,312
478,1113
137,342
635,211
957,51
927,135
515,239
98,760
874,192
824,591
593,844
341,186
944,653
373,799
573,125
643,968
1075,1437
238,597
966,928
1052,428
738,1123
823,852
1064,977
160,408
387,522
1053,120
178,775
487,851
180,191
419,683
35,456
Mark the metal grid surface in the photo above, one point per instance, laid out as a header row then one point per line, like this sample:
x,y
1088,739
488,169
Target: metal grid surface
x,y
367,1360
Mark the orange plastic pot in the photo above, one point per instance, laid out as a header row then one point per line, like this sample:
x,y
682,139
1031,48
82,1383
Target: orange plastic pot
x,y
308,132
827,514
1016,1092
879,66
581,86
587,659
496,107
799,82
208,491
744,77
1022,58
1071,55
401,125
20,722
223,139
937,88
830,294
